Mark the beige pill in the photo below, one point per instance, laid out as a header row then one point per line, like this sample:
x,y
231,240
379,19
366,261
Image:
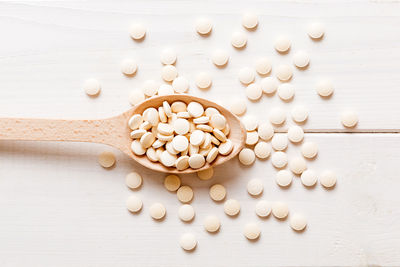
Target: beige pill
x,y
255,187
251,231
172,182
246,75
286,91
280,210
247,156
212,155
349,118
263,66
309,178
211,223
128,67
157,211
282,44
195,109
137,148
106,159
165,89
180,143
316,30
279,142
238,106
180,85
219,135
277,116
169,73
203,26
262,150
197,138
239,39
301,59
178,106
168,56
186,213
147,140
150,87
220,57
299,113
185,194
324,88
188,241
137,31
218,121
225,148
295,134
254,91
182,163
135,121
133,180
327,179
265,131
152,154
279,159
134,204
203,80
284,178
181,126
211,111
269,85
263,208
196,161
231,207
250,20
298,222
251,138
168,159
297,165
92,87
250,123
206,174
136,97
309,150
217,192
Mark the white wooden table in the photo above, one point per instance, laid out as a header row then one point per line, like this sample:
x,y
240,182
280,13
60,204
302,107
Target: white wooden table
x,y
60,208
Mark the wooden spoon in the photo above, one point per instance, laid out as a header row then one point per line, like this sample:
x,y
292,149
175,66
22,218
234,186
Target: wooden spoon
x,y
115,131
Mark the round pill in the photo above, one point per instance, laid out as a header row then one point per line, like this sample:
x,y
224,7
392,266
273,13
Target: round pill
x,y
286,91
250,123
349,119
301,59
265,131
298,222
251,231
309,150
180,143
203,26
135,121
324,88
279,142
247,156
253,91
169,73
178,106
137,31
327,179
277,116
182,163
137,148
152,154
211,223
279,159
297,165
128,67
196,161
218,121
251,138
157,211
282,44
188,241
295,134
197,137
284,178
280,210
167,159
263,208
203,80
206,174
186,213
263,66
172,182
149,87
220,57
309,178
134,204
231,207
250,20
269,85
262,150
181,126
255,187
217,192
195,109
239,39
180,85
246,75
165,89
211,111
136,97
106,159
225,148
168,56
147,140
185,194
212,155
284,72
133,180
299,113
92,87
316,30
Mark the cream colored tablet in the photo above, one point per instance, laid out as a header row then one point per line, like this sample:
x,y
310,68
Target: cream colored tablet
x,y
133,180
211,223
324,88
151,115
92,87
286,91
282,44
195,109
157,211
135,121
251,138
196,161
220,57
137,148
180,85
295,134
165,128
147,140
263,208
169,73
250,20
301,59
298,222
145,125
180,143
201,120
349,118
185,194
128,67
262,150
280,210
172,182
188,241
219,135
279,159
255,187
170,148
247,156
134,204
206,174
327,179
106,159
182,163
254,91
137,31
297,165
277,116
186,213
178,106
250,123
231,207
168,159
164,138
168,56
197,137
251,231
239,39
203,80
284,178
309,178
150,87
136,97
279,142
225,148
138,133
218,121
203,26
316,30
212,155
265,131
284,72
299,113
269,85
263,66
246,75
165,89
217,192
211,111
309,150
181,126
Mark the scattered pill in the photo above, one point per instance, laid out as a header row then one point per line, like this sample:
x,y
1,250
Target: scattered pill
x,y
133,180
265,131
92,87
279,159
231,207
250,123
349,118
137,31
295,134
301,59
186,213
246,75
324,88
136,97
280,210
134,204
250,20
220,57
203,80
246,156
269,85
251,138
277,116
262,150
185,194
157,211
298,222
263,208
263,66
180,85
128,67
150,88
165,89
309,150
206,174
169,73
297,165
255,187
284,178
299,113
254,91
286,91
284,72
279,142
282,44
188,241
211,223
316,30
168,56
251,231
217,192
106,159
327,179
309,178
204,26
172,182
239,39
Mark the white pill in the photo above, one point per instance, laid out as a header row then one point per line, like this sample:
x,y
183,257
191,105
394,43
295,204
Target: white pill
x,y
298,222
203,80
165,128
195,109
309,150
135,121
280,210
136,97
201,120
282,44
284,72
284,178
349,118
133,180
279,142
185,194
263,66
128,67
164,138
106,159
147,140
217,192
327,179
211,111
218,121
309,177
196,161
182,163
225,148
151,115
168,159
239,39
212,155
206,174
92,87
251,138
188,241
219,135
277,116
246,75
138,133
250,20
186,212
247,156
269,85
255,187
286,91
178,106
157,211
262,150
145,126
297,165
180,143
169,73
250,123
197,137
301,59
180,85
238,106
295,134
172,182
134,204
211,223
220,57
165,89
251,231
207,141
181,126
324,88
254,91
137,31
263,208
168,56
265,131
232,207
316,30
203,26
137,148
170,148
150,87
299,113
279,159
